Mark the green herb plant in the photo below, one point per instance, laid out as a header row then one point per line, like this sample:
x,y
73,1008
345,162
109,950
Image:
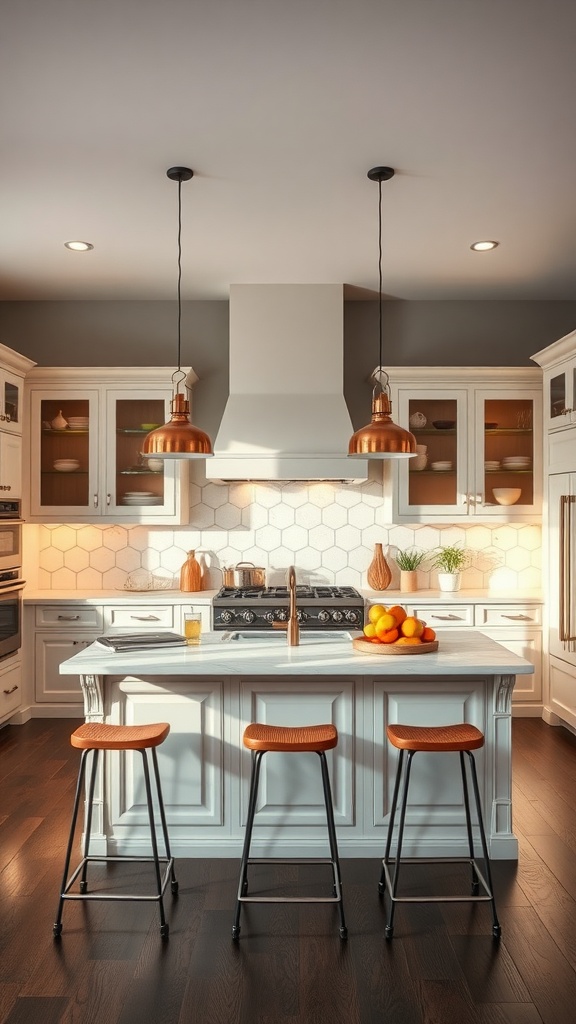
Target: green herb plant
x,y
410,560
449,558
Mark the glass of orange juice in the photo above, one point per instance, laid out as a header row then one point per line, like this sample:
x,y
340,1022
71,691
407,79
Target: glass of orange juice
x,y
192,627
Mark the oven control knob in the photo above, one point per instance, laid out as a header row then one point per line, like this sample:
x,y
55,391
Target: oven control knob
x,y
323,615
227,617
269,617
247,616
280,615
302,616
337,615
351,615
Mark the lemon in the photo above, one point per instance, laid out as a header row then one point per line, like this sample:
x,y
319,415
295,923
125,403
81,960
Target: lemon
x,y
375,612
385,623
370,630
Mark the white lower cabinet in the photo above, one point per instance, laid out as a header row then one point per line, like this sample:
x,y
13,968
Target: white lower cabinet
x,y
10,687
50,650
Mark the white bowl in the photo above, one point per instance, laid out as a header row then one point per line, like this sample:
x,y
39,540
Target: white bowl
x,y
507,495
155,465
66,465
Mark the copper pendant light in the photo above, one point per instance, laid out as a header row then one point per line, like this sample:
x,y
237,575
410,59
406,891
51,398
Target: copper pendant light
x,y
178,439
381,438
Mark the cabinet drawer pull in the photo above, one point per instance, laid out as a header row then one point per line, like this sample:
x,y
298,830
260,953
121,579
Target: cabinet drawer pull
x,y
12,690
146,618
68,618
459,618
518,618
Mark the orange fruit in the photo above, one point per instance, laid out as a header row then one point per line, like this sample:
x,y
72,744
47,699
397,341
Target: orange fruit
x,y
370,630
408,641
398,612
375,640
428,634
412,627
385,623
390,637
375,611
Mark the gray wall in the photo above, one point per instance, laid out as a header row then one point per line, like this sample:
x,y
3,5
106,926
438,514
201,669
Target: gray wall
x,y
442,333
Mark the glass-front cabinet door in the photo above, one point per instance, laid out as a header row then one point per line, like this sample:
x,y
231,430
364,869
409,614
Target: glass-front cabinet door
x,y
134,482
560,396
435,482
479,454
11,403
64,459
508,453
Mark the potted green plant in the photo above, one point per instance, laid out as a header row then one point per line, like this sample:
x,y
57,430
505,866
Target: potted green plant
x,y
449,560
408,562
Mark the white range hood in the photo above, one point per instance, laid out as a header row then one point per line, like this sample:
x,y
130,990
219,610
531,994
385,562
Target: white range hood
x,y
286,417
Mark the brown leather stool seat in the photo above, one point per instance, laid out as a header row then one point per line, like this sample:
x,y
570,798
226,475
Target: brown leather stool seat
x,y
461,738
94,737
262,739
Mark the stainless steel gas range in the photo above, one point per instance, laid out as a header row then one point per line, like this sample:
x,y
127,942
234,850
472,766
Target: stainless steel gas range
x,y
260,608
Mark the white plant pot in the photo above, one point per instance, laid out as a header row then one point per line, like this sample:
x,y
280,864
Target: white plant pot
x,y
449,581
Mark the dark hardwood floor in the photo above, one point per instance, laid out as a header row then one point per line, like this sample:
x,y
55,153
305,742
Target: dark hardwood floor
x,y
290,966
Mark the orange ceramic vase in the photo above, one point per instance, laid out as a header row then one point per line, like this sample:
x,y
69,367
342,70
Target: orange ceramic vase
x,y
379,574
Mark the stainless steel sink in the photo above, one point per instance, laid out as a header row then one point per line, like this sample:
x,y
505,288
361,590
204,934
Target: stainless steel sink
x,y
273,636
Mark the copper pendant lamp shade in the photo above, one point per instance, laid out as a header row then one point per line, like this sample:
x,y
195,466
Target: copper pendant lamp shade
x,y
381,438
179,438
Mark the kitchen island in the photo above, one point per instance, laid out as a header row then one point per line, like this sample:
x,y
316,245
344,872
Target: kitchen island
x,y
209,693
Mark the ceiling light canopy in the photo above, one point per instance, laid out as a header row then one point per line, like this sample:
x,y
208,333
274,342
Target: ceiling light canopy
x,y
484,246
179,438
381,438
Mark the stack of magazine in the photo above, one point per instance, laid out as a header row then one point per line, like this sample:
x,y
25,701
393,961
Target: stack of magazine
x,y
124,642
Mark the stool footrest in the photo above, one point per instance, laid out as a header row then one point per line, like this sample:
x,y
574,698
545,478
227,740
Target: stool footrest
x,y
438,899
102,859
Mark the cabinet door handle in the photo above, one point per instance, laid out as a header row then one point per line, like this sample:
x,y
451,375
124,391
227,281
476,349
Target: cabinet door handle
x,y
68,618
458,618
12,690
95,501
108,499
146,618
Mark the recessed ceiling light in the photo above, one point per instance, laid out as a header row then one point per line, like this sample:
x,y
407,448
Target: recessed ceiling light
x,y
483,246
79,246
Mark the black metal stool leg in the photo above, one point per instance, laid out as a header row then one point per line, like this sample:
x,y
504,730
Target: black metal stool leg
x,y
83,884
333,841
174,883
496,929
164,927
475,882
57,929
382,882
389,931
243,883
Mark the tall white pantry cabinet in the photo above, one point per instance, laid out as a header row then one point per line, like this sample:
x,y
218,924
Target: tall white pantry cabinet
x,y
559,364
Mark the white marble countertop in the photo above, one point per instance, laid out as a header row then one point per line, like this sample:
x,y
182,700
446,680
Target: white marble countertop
x,y
386,597
460,653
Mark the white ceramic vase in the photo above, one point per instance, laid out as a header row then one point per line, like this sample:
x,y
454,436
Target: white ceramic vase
x,y
449,581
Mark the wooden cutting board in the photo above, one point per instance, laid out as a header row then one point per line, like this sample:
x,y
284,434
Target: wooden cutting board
x,y
366,647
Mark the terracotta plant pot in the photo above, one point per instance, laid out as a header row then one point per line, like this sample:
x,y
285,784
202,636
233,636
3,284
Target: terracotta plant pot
x,y
408,581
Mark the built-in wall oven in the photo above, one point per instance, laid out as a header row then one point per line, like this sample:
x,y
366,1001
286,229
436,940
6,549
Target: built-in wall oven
x,y
11,582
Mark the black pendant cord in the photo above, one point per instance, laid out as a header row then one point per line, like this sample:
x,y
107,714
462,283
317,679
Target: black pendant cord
x,y
379,274
179,281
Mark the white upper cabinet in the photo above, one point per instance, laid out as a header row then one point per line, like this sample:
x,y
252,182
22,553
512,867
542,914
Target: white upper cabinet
x,y
480,433
86,434
559,364
13,369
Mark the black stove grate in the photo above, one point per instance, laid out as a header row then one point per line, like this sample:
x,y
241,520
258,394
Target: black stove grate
x,y
303,593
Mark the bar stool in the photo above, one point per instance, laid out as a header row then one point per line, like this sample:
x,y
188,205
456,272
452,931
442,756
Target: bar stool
x,y
262,739
463,738
94,736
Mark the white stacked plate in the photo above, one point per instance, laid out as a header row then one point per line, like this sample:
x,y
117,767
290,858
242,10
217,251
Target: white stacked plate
x,y
78,422
517,462
491,466
441,467
141,498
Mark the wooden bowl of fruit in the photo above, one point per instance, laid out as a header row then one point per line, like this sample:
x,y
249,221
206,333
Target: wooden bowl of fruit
x,y
393,631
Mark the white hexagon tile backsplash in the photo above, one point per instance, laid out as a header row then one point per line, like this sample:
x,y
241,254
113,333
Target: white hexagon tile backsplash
x,y
327,531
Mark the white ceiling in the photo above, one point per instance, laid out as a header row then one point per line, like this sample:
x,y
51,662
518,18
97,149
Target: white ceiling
x,y
281,107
